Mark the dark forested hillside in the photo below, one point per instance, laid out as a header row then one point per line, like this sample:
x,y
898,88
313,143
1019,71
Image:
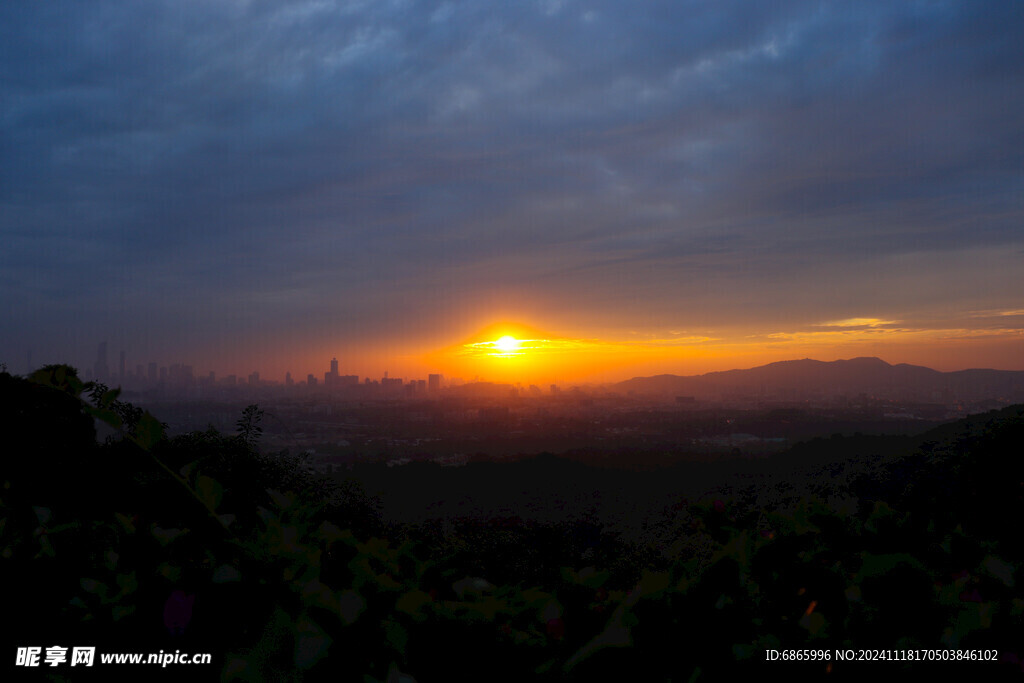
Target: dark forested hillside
x,y
201,543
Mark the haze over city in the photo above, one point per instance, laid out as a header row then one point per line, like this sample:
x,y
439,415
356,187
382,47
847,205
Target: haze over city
x,y
677,188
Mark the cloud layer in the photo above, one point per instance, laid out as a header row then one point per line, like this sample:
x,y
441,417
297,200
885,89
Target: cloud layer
x,y
186,176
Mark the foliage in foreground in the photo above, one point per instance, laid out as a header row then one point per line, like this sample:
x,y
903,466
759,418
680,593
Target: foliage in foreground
x,y
199,543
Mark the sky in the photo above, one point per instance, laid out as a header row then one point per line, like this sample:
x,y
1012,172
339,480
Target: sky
x,y
638,188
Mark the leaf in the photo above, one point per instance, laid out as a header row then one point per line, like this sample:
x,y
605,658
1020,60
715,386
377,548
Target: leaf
x,y
226,574
330,532
122,611
550,611
387,582
281,500
652,583
165,536
999,569
104,415
210,491
738,548
591,578
149,432
396,635
110,560
235,669
128,583
317,594
813,622
395,675
311,642
268,517
535,597
471,586
973,617
615,634
412,603
126,522
880,565
169,571
350,606
742,651
42,514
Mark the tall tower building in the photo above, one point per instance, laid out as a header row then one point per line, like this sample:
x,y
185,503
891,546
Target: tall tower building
x,y
331,378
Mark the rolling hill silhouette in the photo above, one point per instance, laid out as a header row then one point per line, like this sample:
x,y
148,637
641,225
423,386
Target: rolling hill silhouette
x,y
814,379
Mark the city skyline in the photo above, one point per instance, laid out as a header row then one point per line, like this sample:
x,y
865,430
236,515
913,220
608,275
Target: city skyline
x,y
178,376
642,189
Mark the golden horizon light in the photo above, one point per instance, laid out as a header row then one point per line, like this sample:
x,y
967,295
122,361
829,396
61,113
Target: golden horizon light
x,y
514,352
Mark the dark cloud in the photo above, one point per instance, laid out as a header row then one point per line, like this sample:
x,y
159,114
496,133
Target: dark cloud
x,y
183,164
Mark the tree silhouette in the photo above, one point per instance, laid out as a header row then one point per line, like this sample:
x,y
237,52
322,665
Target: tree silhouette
x,y
249,429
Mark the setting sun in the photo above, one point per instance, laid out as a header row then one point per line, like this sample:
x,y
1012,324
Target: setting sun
x,y
507,344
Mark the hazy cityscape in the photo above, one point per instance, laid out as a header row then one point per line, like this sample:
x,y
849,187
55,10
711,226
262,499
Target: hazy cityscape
x,y
337,421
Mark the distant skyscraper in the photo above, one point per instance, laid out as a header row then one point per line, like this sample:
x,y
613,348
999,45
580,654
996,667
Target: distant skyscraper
x,y
331,378
152,373
433,383
288,381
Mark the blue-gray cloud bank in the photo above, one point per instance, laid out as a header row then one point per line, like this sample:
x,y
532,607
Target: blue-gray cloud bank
x,y
189,174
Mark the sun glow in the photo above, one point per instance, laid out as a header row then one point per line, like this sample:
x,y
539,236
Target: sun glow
x,y
511,352
507,344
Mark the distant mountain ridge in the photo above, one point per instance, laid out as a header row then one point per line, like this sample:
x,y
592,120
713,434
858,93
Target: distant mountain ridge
x,y
813,378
